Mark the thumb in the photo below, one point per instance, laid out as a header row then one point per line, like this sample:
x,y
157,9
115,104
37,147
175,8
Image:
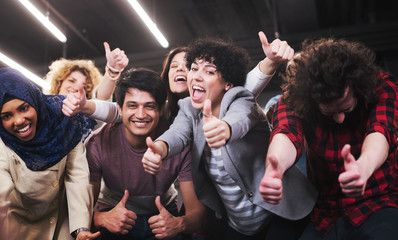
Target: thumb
x,y
348,157
159,204
273,167
125,198
207,110
151,144
107,48
263,39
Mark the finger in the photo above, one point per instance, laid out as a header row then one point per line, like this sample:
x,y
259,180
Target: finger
x,y
150,144
125,198
274,167
207,110
263,39
349,160
81,93
107,48
159,204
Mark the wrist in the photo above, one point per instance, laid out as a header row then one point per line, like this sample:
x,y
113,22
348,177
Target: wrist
x,y
112,75
75,233
268,66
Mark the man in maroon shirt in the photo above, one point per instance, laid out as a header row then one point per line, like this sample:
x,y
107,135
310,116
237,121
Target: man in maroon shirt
x,y
134,204
342,109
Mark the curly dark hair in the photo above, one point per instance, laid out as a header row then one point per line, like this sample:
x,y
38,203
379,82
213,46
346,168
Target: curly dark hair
x,y
322,71
231,60
144,80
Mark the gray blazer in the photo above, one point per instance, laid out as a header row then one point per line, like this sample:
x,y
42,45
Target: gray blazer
x,y
244,155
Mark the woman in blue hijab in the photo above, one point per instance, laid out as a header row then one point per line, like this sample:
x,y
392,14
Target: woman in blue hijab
x,y
44,191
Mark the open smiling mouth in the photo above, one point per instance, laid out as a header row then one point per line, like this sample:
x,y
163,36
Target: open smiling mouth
x,y
180,79
25,131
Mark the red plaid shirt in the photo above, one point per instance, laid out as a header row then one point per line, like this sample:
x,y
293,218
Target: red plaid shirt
x,y
323,143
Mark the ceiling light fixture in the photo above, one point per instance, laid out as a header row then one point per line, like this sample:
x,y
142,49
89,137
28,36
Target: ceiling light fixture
x,y
149,23
43,20
31,76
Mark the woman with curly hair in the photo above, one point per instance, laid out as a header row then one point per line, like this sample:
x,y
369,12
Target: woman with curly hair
x,y
341,108
228,131
65,74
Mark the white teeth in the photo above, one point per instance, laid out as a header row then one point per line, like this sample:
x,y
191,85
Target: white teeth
x,y
198,88
181,78
25,129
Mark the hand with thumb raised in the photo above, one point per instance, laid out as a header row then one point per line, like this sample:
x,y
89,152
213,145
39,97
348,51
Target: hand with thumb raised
x,y
216,131
119,220
271,184
116,59
163,225
152,159
353,180
74,102
277,50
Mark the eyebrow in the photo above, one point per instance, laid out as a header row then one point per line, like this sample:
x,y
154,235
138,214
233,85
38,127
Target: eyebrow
x,y
17,107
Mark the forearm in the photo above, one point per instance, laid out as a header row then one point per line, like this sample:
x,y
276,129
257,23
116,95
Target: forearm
x,y
268,67
162,147
98,220
89,108
192,221
374,152
284,150
106,87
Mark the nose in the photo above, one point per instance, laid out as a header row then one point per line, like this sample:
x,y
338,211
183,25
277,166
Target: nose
x,y
182,67
339,117
18,119
140,113
197,76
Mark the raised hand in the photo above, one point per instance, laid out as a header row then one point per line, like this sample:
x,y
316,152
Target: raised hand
x,y
353,180
163,225
216,131
152,159
116,59
277,50
119,220
271,184
74,102
86,235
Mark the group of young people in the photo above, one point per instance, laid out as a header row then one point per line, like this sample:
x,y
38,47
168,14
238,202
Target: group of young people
x,y
198,122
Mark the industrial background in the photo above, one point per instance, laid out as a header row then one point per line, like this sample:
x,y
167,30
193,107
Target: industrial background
x,y
88,23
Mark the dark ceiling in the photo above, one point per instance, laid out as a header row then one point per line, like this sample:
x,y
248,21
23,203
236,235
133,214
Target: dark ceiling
x,y
88,23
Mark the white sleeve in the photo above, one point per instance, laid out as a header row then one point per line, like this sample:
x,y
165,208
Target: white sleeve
x,y
256,80
106,111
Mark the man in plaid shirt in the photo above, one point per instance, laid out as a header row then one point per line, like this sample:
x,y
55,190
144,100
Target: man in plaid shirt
x,y
343,110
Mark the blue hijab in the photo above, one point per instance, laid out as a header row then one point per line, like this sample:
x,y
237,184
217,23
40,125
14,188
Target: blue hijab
x,y
56,134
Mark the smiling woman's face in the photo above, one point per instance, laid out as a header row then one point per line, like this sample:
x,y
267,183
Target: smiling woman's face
x,y
19,118
178,75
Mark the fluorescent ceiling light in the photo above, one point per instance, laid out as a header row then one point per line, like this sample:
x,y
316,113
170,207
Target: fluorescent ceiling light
x,y
44,20
149,23
11,63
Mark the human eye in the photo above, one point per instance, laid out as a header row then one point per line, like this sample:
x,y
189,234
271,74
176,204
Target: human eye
x,y
132,105
151,106
5,117
24,107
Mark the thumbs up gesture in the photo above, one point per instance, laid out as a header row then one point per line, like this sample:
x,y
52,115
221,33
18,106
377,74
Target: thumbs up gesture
x,y
119,220
353,180
163,225
216,131
152,159
116,59
74,102
271,184
277,50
